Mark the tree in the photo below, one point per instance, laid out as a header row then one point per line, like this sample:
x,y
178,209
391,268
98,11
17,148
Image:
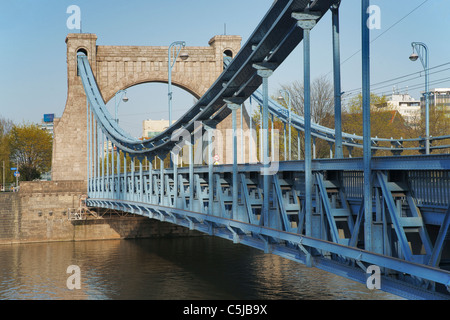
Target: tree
x,y
385,122
439,125
322,98
5,127
397,128
322,111
31,150
376,102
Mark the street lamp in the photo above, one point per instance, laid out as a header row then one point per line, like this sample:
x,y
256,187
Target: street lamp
x,y
184,56
420,50
281,98
117,102
173,53
414,56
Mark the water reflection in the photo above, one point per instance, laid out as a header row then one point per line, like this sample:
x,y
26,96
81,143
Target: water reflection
x,y
184,268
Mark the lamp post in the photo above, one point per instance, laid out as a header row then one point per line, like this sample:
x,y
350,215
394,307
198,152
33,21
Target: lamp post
x,y
117,102
280,98
173,53
420,50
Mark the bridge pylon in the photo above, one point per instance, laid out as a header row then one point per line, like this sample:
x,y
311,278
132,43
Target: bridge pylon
x,y
119,67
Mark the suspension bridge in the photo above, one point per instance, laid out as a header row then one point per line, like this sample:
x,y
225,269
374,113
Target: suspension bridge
x,y
342,215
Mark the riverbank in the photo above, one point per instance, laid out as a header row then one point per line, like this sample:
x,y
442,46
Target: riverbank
x,y
40,211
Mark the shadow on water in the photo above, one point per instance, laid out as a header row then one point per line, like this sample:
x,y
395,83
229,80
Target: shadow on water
x,y
224,270
207,268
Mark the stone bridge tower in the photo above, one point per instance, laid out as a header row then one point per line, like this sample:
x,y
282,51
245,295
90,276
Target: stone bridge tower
x,y
120,67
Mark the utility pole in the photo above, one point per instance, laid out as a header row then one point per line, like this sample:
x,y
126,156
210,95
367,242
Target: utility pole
x,y
17,177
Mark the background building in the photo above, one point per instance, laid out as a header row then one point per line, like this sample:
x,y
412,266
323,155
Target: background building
x,y
439,97
151,128
47,122
407,106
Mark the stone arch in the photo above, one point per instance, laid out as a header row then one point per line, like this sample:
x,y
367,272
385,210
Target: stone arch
x,y
176,84
109,94
82,50
228,52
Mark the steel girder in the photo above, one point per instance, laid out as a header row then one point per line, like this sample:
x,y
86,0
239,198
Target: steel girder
x,y
336,244
349,262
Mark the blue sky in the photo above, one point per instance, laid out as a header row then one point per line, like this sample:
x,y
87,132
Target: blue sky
x,y
33,57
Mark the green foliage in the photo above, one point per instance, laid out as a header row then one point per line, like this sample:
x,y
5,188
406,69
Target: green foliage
x,y
30,149
5,165
388,123
376,102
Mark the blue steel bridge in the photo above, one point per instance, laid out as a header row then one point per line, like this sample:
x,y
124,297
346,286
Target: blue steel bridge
x,y
342,215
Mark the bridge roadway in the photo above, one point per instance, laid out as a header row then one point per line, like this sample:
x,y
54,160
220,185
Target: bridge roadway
x,y
340,215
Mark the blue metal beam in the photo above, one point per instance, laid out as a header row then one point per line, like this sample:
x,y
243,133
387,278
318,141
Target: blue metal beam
x,y
249,234
337,81
265,71
307,21
438,246
367,152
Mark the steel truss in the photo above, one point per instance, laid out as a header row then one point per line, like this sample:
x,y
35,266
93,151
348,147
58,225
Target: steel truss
x,y
402,247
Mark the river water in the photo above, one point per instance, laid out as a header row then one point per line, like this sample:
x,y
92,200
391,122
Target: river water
x,y
195,268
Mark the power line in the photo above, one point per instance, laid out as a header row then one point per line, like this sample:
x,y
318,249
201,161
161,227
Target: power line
x,y
376,85
400,20
413,10
418,86
378,88
413,87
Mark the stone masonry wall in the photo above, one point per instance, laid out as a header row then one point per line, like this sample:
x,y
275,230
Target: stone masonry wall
x,y
39,213
8,215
